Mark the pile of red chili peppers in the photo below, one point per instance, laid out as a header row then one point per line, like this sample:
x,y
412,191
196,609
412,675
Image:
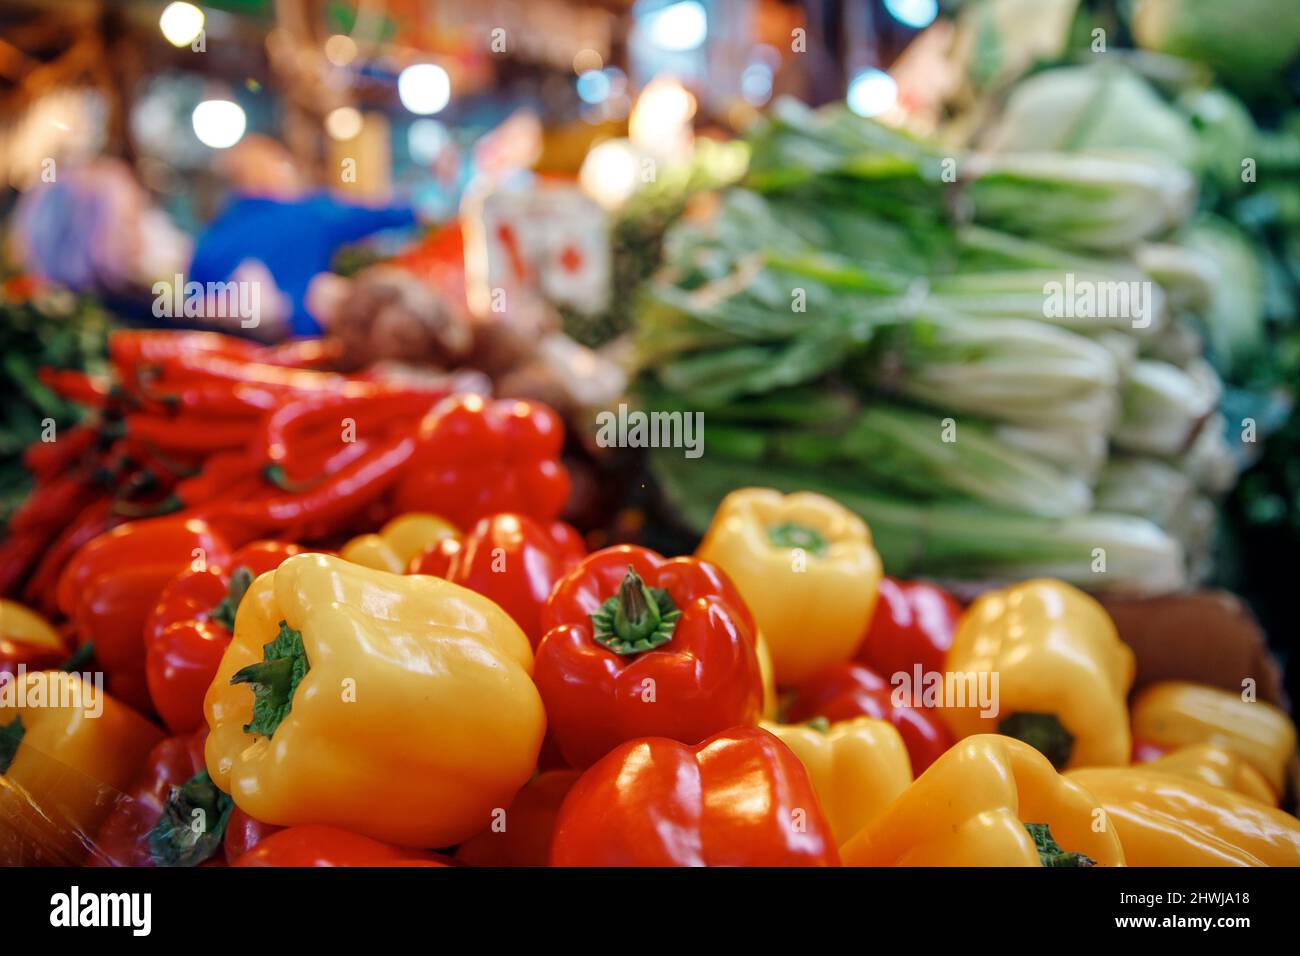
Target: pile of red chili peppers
x,y
263,441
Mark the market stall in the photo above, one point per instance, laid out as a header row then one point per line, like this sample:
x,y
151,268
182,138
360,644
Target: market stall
x,y
612,434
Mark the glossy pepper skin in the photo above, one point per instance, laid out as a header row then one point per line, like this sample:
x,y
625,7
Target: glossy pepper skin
x,y
399,542
857,767
60,764
511,559
698,673
522,835
845,691
112,584
132,834
913,623
477,456
399,707
1063,673
1219,767
190,626
1167,820
740,798
807,569
974,807
28,639
329,846
1175,713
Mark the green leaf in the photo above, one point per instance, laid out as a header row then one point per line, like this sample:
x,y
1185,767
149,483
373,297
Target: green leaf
x,y
274,680
192,825
1050,852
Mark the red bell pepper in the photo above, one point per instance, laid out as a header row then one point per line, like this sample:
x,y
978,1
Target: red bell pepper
x,y
153,825
740,798
478,456
638,645
850,690
526,828
330,846
511,559
913,623
190,626
243,833
112,584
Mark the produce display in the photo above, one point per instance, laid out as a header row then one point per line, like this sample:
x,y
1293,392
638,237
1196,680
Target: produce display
x,y
677,435
982,355
398,656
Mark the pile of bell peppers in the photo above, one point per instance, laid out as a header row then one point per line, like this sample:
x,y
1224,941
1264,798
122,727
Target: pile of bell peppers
x,y
435,672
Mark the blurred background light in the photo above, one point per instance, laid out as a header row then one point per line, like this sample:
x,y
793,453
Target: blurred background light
x,y
424,88
872,92
756,84
609,173
344,123
340,49
219,123
677,27
426,139
181,23
585,60
593,86
913,13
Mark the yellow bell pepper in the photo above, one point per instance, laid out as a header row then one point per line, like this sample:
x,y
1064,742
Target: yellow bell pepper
x,y
24,626
397,706
1164,820
67,750
405,537
1217,766
989,801
806,567
1062,674
1174,713
857,768
771,700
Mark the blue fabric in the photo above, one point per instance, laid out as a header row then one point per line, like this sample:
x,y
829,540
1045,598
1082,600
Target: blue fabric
x,y
295,240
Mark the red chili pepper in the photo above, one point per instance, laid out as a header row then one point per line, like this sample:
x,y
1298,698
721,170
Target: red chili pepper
x,y
217,367
478,457
913,623
215,399
330,846
45,459
638,645
93,520
509,558
80,387
17,554
740,798
189,435
128,349
849,690
223,474
322,417
189,628
303,353
330,503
